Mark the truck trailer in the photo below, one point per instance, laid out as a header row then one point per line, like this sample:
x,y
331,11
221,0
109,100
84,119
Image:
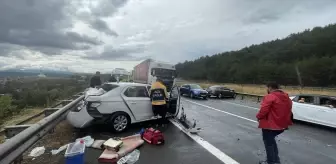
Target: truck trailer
x,y
149,70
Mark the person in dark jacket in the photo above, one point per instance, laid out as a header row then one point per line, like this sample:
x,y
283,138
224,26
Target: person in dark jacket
x,y
112,79
274,117
95,80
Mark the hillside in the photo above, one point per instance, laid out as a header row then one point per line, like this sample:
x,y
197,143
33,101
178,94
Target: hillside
x,y
33,72
312,51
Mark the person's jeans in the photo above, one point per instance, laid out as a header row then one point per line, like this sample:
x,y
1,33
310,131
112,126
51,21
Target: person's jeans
x,y
271,147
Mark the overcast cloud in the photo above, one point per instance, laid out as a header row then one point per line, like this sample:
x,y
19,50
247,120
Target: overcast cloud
x,y
90,35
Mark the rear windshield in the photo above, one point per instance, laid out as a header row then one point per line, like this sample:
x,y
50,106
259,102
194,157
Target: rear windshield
x,y
108,87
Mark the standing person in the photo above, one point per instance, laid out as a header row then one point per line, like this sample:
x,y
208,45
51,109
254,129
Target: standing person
x,y
112,78
158,94
274,117
95,80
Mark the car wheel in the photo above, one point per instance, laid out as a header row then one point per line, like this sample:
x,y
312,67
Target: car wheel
x,y
292,117
191,95
205,98
120,122
220,96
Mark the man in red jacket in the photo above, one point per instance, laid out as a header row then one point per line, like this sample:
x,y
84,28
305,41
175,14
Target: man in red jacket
x,y
274,117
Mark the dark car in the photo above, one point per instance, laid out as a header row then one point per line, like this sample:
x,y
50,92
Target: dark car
x,y
194,91
220,91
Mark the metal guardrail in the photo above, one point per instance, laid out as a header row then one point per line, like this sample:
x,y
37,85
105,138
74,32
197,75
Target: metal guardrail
x,y
13,148
38,114
245,95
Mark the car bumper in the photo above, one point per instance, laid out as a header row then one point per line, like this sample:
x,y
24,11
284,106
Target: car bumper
x,y
80,119
201,95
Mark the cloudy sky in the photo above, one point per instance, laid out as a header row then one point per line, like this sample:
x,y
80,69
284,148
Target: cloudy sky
x,y
90,35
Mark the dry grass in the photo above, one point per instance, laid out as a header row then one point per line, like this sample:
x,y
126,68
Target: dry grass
x,y
26,113
261,89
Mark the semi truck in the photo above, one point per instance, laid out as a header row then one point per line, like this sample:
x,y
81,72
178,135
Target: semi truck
x,y
149,70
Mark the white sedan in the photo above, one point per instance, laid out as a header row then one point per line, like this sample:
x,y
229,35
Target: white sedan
x,y
118,104
317,109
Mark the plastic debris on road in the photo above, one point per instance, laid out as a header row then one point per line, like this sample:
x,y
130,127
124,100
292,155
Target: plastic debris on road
x,y
87,139
98,144
130,158
56,151
37,151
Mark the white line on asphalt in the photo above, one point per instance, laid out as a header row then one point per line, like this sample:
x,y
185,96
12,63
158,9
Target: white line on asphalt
x,y
244,118
240,105
206,145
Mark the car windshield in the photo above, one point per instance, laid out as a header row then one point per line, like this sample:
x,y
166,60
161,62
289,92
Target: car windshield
x,y
163,72
195,86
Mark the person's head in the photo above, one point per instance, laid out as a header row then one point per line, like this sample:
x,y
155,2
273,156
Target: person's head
x,y
97,73
272,86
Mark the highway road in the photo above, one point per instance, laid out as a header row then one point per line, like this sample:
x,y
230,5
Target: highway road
x,y
231,126
230,135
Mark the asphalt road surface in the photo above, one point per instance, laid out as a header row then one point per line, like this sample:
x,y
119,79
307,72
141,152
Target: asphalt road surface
x,y
231,126
178,147
229,135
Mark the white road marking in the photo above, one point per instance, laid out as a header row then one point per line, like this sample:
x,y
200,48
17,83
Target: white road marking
x,y
241,105
244,118
206,145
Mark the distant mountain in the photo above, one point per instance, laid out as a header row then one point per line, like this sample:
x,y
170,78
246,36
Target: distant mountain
x,y
33,72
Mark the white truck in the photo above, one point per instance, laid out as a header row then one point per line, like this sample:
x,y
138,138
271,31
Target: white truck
x,y
149,70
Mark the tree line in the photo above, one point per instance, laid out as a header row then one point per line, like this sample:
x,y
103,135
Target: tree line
x,y
310,55
20,94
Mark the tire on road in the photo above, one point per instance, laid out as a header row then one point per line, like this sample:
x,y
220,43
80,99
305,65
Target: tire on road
x,y
220,96
119,121
191,95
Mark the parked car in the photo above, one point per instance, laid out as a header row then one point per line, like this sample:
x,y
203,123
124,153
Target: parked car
x,y
120,105
193,91
220,91
318,109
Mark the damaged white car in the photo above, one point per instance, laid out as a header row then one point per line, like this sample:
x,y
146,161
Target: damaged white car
x,y
118,104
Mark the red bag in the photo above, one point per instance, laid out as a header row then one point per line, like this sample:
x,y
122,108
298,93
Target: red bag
x,y
153,136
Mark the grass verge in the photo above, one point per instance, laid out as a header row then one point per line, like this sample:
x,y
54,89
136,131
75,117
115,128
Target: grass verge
x,y
261,89
15,119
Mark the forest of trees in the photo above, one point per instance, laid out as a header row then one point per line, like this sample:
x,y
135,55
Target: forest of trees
x,y
27,93
312,52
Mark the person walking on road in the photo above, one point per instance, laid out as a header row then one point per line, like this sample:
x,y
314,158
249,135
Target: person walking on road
x,y
95,80
274,116
158,94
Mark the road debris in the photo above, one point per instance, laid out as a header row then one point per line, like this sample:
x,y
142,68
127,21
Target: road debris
x,y
37,151
129,144
130,158
98,144
87,139
60,149
75,152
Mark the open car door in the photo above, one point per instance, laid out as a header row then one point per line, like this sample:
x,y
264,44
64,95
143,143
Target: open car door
x,y
174,101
